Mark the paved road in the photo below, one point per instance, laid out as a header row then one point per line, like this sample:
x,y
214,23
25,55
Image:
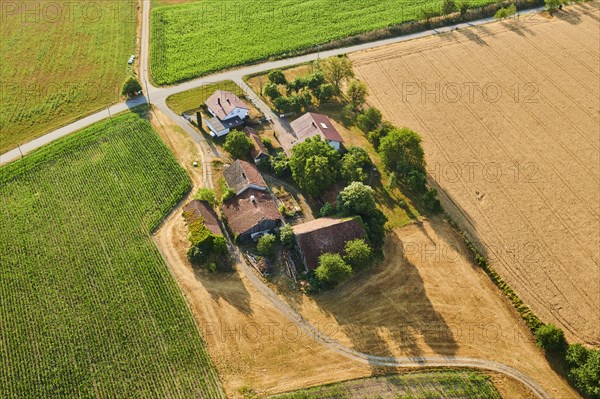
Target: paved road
x,y
157,96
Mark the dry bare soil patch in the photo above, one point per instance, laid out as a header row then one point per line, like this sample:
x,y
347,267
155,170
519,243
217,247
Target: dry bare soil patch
x,y
509,115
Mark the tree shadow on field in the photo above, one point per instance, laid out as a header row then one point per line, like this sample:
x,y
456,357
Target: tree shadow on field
x,y
225,286
385,311
571,16
518,27
472,36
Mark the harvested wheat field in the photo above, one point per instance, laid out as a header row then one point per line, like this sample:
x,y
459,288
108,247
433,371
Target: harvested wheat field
x,y
509,116
429,299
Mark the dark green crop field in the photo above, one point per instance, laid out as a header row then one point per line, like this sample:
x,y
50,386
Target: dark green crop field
x,y
88,308
192,39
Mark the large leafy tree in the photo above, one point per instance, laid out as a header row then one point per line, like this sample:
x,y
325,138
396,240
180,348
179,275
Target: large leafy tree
x,y
355,164
314,165
332,269
238,144
357,94
402,154
357,198
336,70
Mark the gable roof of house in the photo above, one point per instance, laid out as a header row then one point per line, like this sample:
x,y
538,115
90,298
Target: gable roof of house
x,y
242,174
258,149
311,124
197,209
223,102
325,235
248,209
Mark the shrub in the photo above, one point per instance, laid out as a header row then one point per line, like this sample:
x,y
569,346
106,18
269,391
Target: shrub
x,y
131,87
327,210
431,201
212,267
332,269
505,12
315,81
219,244
463,8
228,194
378,134
238,144
357,253
550,338
208,195
267,143
286,235
266,245
585,369
448,7
552,5
369,119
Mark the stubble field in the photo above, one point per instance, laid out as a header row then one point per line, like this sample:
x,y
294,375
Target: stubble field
x,y
509,115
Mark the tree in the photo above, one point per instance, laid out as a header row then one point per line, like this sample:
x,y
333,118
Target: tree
x,y
369,119
282,104
326,92
131,87
357,93
402,154
314,81
585,369
238,144
332,269
277,77
463,8
357,253
448,7
286,235
354,165
219,244
550,338
314,165
357,198
336,70
376,135
271,91
266,245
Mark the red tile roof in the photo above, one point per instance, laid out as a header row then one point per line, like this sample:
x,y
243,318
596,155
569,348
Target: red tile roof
x,y
311,124
243,213
325,235
223,102
197,209
258,150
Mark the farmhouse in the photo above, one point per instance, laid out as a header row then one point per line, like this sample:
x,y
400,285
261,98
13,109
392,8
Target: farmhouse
x,y
242,175
228,111
196,209
258,151
251,213
325,235
311,125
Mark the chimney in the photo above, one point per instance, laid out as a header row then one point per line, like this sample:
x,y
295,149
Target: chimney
x,y
228,101
253,199
314,124
218,100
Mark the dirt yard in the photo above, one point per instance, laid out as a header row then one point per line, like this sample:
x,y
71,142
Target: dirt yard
x,y
427,299
255,347
509,115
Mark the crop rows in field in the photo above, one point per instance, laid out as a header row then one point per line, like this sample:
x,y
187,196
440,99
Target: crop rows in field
x,y
89,309
421,385
189,40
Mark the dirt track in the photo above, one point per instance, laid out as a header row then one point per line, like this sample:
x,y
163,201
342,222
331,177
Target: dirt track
x,y
509,115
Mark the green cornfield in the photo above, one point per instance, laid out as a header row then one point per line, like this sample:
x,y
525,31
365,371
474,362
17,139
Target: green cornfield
x,y
88,308
448,384
193,39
